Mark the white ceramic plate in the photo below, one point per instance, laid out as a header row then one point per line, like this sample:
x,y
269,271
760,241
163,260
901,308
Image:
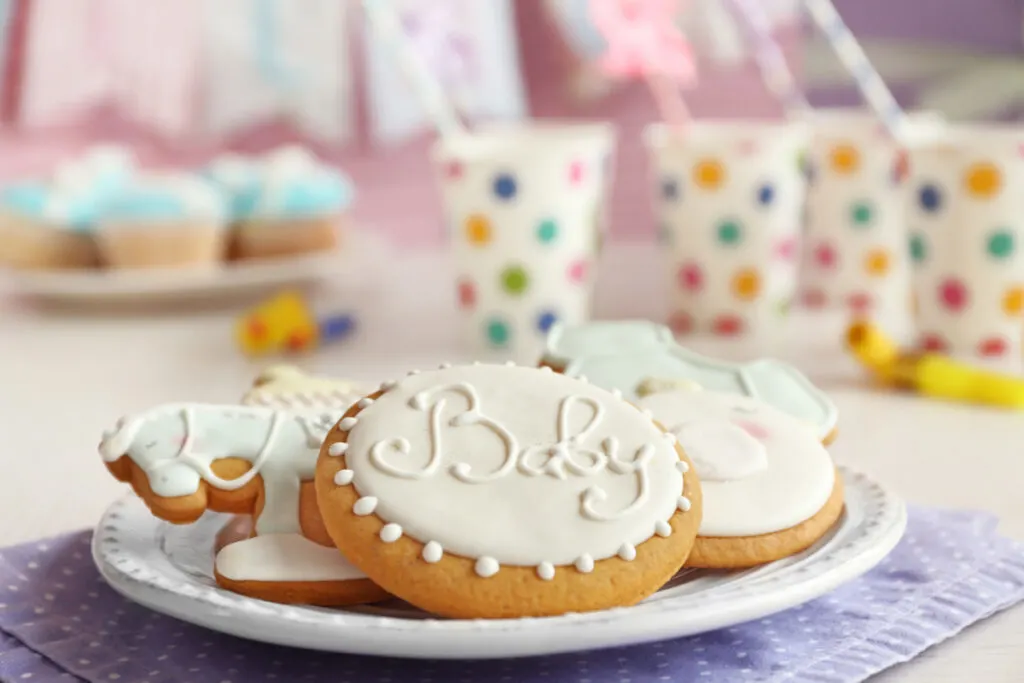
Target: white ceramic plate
x,y
136,286
169,569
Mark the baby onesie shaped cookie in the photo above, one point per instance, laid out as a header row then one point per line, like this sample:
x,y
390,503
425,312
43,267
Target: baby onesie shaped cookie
x,y
770,488
494,491
623,354
184,459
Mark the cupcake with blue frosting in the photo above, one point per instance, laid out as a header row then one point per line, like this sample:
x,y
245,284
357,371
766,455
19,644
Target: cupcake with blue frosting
x,y
44,227
163,220
300,208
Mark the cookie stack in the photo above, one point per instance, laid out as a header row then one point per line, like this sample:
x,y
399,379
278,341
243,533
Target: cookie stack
x,y
499,491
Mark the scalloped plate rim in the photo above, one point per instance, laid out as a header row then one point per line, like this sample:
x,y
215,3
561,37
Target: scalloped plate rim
x,y
161,586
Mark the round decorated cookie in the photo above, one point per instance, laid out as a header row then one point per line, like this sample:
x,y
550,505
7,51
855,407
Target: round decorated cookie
x,y
184,459
494,491
770,488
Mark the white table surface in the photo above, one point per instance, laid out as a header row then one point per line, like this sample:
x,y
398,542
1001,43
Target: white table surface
x,y
65,376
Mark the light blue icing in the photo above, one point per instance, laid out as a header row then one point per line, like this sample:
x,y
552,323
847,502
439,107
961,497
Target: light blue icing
x,y
621,355
320,193
37,200
240,193
195,197
28,199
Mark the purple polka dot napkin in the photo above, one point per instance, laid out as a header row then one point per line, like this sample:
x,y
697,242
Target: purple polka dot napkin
x,y
60,622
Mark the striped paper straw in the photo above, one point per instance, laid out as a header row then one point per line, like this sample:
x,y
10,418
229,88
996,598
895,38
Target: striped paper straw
x,y
382,15
771,62
852,56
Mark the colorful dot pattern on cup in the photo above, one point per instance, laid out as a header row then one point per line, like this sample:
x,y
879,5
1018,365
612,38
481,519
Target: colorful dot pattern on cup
x,y
845,159
877,262
930,197
983,180
498,332
515,280
993,347
534,299
547,231
546,320
746,284
478,230
918,248
505,186
953,294
730,232
862,214
691,277
709,174
859,251
1013,301
1000,244
731,217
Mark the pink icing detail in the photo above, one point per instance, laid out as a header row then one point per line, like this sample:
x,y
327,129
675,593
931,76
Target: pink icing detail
x,y
757,431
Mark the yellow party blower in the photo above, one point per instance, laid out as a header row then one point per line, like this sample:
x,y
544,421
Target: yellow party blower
x,y
931,374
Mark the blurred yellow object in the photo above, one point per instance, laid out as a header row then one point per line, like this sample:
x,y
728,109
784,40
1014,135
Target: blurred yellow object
x,y
931,374
283,323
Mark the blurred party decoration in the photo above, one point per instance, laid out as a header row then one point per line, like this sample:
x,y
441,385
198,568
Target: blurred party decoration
x,y
287,323
266,60
931,374
138,57
642,41
851,54
778,78
436,63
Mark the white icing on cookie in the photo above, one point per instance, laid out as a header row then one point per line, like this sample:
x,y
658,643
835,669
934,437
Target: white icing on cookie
x,y
283,557
176,445
722,450
622,354
761,470
286,387
514,466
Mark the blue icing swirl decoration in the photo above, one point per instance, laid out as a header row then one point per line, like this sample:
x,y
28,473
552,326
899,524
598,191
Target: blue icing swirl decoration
x,y
26,198
295,184
165,198
238,180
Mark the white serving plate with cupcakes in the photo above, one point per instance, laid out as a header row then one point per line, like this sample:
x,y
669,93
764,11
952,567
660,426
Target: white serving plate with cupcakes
x,y
126,286
169,568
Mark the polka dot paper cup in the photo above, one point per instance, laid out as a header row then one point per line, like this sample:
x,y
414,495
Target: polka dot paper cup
x,y
855,232
525,206
966,244
729,200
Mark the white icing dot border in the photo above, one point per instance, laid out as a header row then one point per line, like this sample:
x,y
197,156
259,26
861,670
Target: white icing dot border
x,y
485,567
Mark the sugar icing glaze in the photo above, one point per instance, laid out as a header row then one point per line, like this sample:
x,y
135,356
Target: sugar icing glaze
x,y
761,470
176,444
283,557
288,388
513,466
622,354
